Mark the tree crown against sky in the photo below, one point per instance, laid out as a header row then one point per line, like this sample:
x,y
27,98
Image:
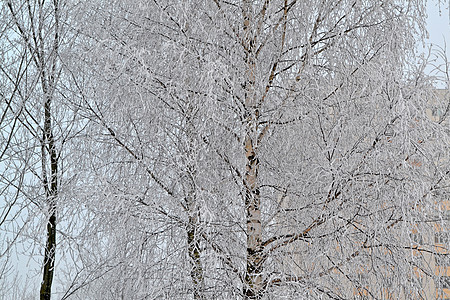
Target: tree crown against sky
x,y
225,149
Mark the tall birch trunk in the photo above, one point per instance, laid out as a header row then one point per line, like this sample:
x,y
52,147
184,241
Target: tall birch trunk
x,y
253,276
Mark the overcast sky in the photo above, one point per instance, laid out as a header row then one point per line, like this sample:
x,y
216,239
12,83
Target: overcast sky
x,y
438,26
438,22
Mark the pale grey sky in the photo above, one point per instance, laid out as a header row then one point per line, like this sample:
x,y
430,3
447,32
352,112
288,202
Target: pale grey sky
x,y
438,23
438,26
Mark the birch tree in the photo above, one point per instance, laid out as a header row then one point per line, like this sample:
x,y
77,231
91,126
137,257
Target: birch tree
x,y
256,149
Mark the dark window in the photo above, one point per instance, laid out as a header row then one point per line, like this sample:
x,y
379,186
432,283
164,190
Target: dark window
x,y
441,238
436,112
441,260
416,238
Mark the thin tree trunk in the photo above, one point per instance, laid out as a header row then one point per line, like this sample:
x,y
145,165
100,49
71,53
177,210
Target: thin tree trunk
x,y
193,212
194,255
51,194
193,240
48,85
49,259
